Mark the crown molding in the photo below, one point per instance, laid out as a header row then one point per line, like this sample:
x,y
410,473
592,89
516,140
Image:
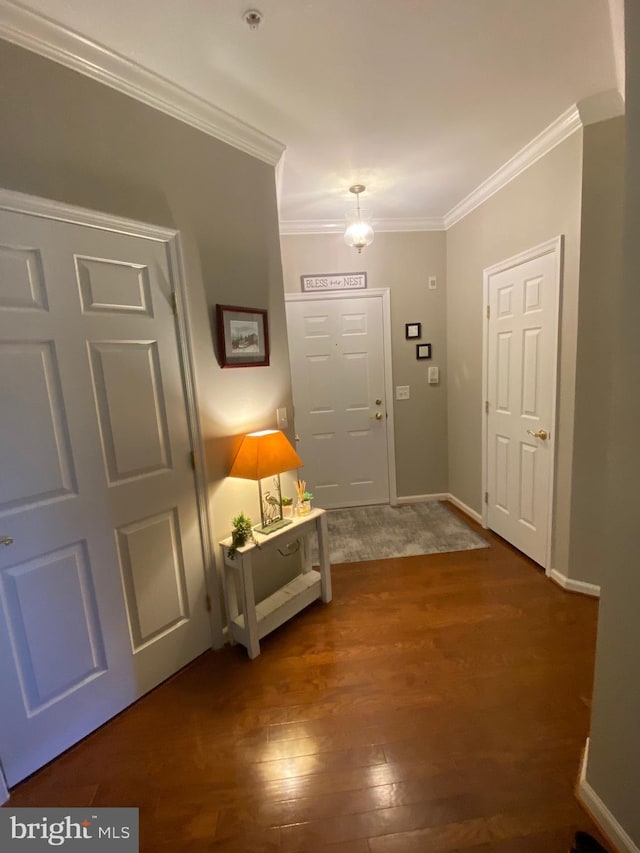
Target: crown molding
x,y
311,226
616,16
542,144
429,223
601,107
43,36
289,227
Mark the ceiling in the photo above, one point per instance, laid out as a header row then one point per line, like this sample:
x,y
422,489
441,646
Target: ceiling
x,y
420,100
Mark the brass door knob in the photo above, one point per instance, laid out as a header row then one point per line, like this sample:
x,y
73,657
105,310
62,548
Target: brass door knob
x,y
378,402
378,416
6,540
542,434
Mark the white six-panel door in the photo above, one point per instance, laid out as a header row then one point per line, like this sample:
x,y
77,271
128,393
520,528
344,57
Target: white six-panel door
x,y
521,387
337,352
102,589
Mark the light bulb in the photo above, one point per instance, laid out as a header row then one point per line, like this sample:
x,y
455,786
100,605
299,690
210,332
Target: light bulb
x,y
358,235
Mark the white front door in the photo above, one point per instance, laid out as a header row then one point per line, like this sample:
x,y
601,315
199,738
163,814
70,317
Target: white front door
x,y
522,296
102,588
337,351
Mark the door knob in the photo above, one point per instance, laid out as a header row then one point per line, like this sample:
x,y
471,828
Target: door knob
x,y
378,416
542,434
378,402
6,540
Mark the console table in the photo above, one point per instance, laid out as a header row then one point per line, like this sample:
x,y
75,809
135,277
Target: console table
x,y
249,622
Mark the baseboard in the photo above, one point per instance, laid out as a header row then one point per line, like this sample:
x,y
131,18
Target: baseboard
x,y
476,516
441,496
600,813
573,585
415,499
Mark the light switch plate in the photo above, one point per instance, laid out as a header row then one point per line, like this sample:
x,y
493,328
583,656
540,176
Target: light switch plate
x,y
402,392
432,282
433,376
281,418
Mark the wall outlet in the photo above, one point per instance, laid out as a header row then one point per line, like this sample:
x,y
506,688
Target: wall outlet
x,y
402,392
432,282
282,418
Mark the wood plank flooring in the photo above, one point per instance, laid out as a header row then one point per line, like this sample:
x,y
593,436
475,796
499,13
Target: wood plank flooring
x,y
439,703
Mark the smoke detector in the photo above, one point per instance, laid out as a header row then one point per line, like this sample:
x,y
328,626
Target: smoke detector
x,y
252,18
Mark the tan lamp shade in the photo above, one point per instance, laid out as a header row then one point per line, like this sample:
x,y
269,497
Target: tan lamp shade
x,y
263,454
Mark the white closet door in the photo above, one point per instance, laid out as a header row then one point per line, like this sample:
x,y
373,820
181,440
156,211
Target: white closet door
x,y
102,589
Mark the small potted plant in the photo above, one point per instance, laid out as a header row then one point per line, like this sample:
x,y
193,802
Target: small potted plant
x,y
303,507
241,534
287,507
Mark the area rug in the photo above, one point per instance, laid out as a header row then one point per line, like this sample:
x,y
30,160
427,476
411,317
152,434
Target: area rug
x,y
383,532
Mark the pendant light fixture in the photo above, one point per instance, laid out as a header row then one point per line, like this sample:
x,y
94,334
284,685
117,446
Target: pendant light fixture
x,y
359,232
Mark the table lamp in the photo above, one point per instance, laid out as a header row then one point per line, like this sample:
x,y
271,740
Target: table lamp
x,y
263,455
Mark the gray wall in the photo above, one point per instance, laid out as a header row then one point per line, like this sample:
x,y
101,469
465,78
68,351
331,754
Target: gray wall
x,y
614,758
600,270
66,137
539,204
402,262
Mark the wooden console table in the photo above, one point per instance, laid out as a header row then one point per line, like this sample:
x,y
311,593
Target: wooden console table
x,y
250,622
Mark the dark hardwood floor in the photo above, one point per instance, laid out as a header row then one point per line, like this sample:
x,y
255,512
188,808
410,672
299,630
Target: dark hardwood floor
x,y
439,703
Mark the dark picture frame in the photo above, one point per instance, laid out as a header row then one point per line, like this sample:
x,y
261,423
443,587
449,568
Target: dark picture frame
x,y
243,336
412,330
423,351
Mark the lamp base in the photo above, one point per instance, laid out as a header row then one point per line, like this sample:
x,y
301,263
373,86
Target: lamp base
x,y
270,528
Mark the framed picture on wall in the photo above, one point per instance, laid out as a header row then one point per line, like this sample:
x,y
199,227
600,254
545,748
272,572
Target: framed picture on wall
x,y
243,336
412,330
423,351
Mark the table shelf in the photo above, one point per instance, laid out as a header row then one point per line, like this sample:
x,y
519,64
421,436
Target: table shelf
x,y
250,622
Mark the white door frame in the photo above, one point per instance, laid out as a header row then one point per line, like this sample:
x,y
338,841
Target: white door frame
x,y
550,247
384,294
48,209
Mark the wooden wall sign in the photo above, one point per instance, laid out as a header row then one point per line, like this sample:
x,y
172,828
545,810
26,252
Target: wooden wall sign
x,y
333,281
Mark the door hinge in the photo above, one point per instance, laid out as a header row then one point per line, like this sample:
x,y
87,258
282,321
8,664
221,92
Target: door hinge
x,y
486,497
488,311
192,460
208,603
486,406
174,304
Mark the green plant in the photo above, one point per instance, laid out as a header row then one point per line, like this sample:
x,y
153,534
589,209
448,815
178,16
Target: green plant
x,y
307,496
241,534
287,501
